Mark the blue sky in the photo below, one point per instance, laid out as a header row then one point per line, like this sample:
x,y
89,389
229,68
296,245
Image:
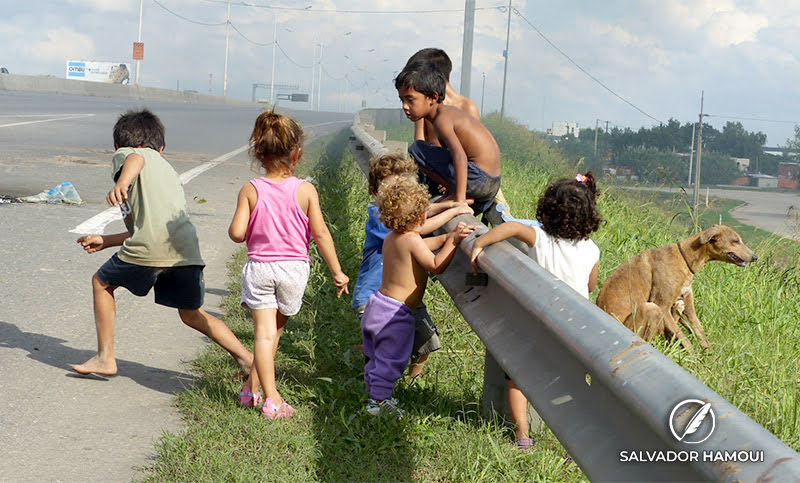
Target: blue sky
x,y
656,55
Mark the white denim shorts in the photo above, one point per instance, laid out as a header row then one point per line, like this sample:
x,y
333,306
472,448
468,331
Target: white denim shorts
x,y
274,285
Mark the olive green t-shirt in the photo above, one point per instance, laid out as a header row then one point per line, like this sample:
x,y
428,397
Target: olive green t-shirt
x,y
155,215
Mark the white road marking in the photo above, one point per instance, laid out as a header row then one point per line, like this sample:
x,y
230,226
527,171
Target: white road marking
x,y
98,222
61,118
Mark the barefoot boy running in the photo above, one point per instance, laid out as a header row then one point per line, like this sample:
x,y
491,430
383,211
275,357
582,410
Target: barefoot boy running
x,y
469,163
387,326
160,248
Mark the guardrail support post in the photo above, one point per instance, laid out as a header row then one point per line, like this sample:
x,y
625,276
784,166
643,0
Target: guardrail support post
x,y
495,396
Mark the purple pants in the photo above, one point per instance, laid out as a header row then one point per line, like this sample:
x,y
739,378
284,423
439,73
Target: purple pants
x,y
387,329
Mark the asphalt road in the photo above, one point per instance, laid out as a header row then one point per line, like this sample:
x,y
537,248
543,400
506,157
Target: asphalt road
x,y
56,425
771,211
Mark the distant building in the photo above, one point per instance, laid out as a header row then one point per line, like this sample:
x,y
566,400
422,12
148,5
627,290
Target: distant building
x,y
564,128
787,175
620,173
742,163
757,181
763,181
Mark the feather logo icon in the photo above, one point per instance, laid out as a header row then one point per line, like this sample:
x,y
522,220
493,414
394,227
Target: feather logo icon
x,y
700,425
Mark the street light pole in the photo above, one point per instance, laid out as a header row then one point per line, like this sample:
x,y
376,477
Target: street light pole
x,y
596,121
319,79
225,76
691,155
466,48
139,39
483,91
274,44
696,192
505,69
313,71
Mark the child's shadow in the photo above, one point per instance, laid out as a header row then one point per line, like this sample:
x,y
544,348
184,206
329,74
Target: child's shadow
x,y
52,351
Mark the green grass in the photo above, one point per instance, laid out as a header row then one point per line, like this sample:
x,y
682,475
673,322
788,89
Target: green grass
x,y
443,438
750,316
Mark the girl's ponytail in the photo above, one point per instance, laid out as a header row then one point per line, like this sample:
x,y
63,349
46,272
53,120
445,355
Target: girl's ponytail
x,y
273,139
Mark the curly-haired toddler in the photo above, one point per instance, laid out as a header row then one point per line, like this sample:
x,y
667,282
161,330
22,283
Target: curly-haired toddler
x,y
387,326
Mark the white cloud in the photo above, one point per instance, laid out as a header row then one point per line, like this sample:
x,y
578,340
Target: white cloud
x,y
116,6
61,44
730,28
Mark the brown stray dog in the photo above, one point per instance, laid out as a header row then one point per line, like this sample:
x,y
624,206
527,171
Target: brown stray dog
x,y
652,291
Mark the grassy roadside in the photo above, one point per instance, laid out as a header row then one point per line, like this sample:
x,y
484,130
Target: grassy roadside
x,y
319,372
752,329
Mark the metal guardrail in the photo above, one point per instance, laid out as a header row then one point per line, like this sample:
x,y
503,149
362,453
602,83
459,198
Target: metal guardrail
x,y
607,395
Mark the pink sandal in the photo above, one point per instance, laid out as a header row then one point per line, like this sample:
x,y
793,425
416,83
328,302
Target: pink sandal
x,y
273,411
249,399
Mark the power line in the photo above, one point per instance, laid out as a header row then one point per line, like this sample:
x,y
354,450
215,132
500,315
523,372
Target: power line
x,y
290,59
187,19
251,41
751,119
581,68
313,10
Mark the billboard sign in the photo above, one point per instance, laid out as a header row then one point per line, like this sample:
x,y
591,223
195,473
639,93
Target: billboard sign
x,y
109,72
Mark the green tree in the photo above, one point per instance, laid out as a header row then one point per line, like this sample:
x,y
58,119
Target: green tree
x,y
736,141
717,168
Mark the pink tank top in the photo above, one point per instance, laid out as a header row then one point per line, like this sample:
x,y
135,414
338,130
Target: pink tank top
x,y
278,229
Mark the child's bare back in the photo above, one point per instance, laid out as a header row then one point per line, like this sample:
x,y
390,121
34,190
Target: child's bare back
x,y
460,131
407,257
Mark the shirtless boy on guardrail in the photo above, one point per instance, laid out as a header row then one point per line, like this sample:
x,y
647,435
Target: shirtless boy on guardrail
x,y
424,130
468,163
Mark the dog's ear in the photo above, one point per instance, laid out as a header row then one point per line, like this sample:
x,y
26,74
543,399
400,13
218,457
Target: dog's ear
x,y
709,234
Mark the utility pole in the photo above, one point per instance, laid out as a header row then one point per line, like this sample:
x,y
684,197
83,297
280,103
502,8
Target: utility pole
x,y
274,43
596,127
319,79
696,191
483,91
139,39
505,69
313,71
466,48
691,154
225,75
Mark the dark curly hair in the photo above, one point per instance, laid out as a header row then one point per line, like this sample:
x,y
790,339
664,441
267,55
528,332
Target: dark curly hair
x,y
568,208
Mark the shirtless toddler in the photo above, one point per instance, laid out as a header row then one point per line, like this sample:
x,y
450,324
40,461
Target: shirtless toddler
x,y
387,326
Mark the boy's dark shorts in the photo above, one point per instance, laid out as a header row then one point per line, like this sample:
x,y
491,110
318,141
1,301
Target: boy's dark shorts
x,y
178,287
426,336
480,186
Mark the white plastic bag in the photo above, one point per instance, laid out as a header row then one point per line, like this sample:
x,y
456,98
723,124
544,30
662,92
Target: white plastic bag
x,y
63,193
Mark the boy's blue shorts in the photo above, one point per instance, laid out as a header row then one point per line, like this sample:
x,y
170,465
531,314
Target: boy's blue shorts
x,y
480,186
178,287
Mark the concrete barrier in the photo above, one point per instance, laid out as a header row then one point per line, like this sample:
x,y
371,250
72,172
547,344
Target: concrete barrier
x,y
56,85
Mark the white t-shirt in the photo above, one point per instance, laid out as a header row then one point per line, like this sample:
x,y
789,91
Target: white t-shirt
x,y
569,260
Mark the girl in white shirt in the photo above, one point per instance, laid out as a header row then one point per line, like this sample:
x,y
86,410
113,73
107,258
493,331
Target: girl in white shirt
x,y
568,214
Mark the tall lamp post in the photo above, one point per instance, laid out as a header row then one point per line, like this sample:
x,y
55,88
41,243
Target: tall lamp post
x,y
505,69
274,44
225,75
139,39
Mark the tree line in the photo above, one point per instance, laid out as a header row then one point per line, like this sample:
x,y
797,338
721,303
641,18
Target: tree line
x,y
660,154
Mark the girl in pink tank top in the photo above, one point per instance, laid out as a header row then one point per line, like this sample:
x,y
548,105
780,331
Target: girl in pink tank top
x,y
277,215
